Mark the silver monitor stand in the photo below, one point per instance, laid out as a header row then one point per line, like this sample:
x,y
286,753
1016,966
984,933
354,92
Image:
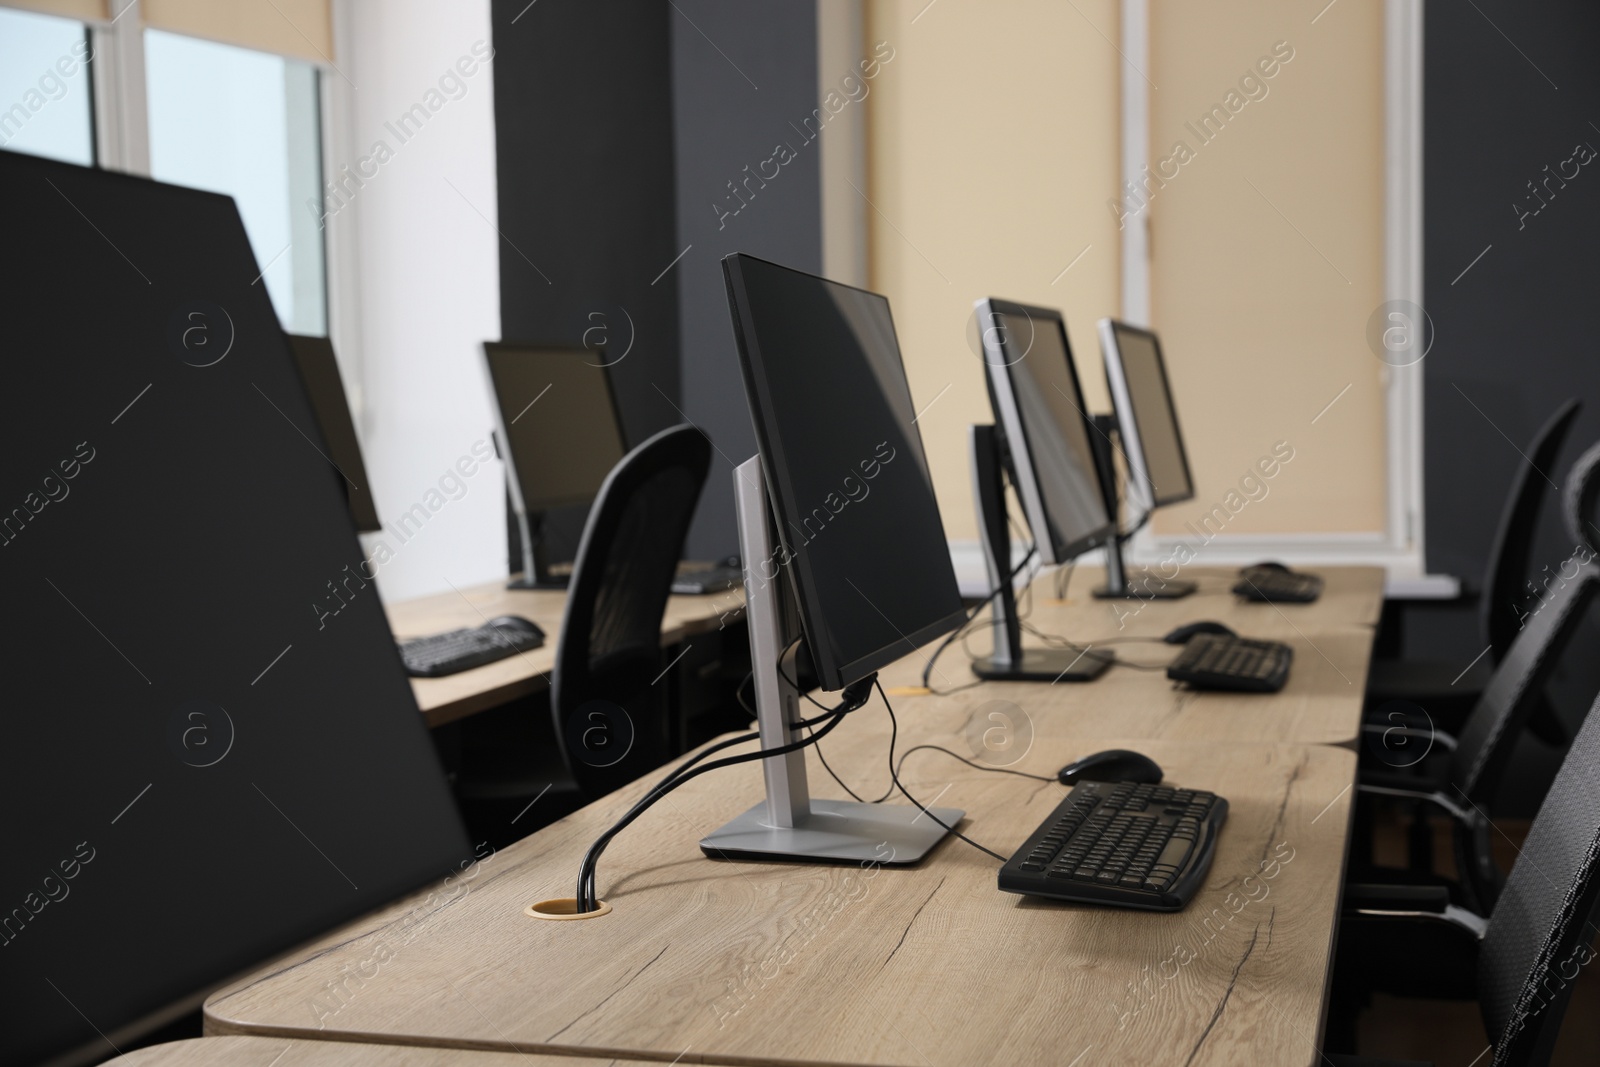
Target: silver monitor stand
x,y
789,825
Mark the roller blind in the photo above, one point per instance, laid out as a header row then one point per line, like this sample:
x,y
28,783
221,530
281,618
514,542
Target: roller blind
x,y
82,10
302,29
299,28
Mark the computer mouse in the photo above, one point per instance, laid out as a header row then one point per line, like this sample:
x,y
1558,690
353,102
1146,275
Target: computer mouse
x,y
1112,765
516,622
1266,565
1182,634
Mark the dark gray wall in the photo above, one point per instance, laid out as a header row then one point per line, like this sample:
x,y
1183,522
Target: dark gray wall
x,y
618,126
583,142
735,103
583,136
1517,334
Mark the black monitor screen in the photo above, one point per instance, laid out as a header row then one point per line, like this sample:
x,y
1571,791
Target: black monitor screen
x,y
1034,387
212,751
844,466
1146,414
319,369
559,420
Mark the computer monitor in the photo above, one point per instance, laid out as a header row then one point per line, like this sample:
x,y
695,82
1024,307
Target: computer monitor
x,y
560,433
837,511
1044,443
319,370
1147,418
213,753
1146,422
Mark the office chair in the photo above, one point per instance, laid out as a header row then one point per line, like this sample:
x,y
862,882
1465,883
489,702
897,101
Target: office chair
x,y
1579,500
1462,784
1520,962
607,696
1433,684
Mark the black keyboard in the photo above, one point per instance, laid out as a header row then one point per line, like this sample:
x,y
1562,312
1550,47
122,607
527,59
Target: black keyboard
x,y
1134,846
708,580
1273,586
460,650
1218,661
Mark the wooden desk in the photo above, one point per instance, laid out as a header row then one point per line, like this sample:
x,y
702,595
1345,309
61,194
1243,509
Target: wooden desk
x,y
278,1052
722,962
456,696
1321,704
1351,597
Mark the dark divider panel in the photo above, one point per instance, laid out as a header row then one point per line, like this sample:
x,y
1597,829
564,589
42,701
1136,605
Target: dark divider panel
x,y
212,752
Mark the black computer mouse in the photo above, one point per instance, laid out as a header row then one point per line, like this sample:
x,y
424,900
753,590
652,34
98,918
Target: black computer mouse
x,y
1182,634
516,622
1266,565
1112,765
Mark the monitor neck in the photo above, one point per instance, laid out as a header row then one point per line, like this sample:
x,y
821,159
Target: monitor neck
x,y
986,446
772,659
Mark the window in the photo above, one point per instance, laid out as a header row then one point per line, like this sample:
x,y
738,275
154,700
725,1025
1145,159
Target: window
x,y
245,123
44,87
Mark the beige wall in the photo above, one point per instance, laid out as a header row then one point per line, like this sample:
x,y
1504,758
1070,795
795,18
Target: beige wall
x,y
993,145
1267,256
993,150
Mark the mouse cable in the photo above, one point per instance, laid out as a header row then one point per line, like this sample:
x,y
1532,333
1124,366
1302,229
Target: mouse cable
x,y
897,765
895,777
855,696
974,764
927,671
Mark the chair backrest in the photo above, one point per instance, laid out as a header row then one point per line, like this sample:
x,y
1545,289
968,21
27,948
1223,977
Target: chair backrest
x,y
1513,541
1490,732
1541,929
1579,500
610,714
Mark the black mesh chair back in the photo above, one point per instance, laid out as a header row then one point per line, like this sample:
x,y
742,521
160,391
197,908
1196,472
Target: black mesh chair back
x,y
1542,927
1484,747
609,701
1579,500
1488,738
1510,555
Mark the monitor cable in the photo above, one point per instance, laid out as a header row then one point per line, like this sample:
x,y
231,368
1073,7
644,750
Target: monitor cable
x,y
960,631
853,697
894,775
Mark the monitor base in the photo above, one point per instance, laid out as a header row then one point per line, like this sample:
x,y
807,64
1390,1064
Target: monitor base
x,y
837,831
1147,587
1043,665
554,582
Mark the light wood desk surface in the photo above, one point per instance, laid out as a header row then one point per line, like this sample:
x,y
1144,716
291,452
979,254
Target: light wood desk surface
x,y
456,696
721,962
281,1052
1321,704
1351,596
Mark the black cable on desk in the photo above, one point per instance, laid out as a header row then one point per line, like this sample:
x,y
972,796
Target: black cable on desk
x,y
974,763
927,672
895,775
855,696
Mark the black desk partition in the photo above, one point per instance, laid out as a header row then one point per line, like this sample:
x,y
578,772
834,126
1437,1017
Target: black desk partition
x,y
200,765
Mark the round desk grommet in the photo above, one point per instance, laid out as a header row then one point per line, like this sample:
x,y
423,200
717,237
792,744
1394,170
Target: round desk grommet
x,y
564,908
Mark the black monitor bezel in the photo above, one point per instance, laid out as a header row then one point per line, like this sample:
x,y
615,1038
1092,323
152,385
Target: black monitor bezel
x,y
781,495
1114,327
1064,551
537,348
